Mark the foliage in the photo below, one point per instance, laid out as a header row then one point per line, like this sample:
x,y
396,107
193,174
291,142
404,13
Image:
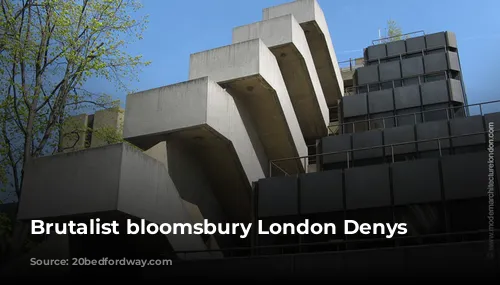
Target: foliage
x,y
394,32
49,49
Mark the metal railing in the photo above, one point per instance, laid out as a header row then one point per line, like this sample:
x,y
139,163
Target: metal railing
x,y
402,37
420,115
349,152
340,245
351,63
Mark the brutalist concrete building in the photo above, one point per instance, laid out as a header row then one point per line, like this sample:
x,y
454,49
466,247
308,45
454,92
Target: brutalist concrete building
x,y
263,129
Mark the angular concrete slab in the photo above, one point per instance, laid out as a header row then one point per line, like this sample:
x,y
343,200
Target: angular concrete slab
x,y
286,40
115,179
200,114
310,16
107,126
250,73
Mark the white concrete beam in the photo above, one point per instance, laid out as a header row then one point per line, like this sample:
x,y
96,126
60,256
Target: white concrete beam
x,y
109,179
250,73
310,16
286,40
202,117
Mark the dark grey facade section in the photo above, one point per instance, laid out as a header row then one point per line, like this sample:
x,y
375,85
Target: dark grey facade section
x,y
435,92
367,74
412,66
451,39
380,101
436,40
396,48
407,97
416,181
435,62
409,116
389,71
465,175
367,187
432,130
456,91
415,44
334,144
278,196
355,105
436,112
376,51
321,192
464,126
365,140
397,135
453,62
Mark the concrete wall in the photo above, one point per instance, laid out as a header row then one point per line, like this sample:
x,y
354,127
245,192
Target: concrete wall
x,y
286,39
251,74
105,179
213,156
310,16
106,122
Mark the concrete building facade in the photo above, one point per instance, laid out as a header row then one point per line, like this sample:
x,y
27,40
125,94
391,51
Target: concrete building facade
x,y
248,137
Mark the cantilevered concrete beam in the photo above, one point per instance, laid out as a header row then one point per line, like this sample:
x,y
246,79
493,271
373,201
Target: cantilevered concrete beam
x,y
200,115
286,40
310,16
114,181
250,73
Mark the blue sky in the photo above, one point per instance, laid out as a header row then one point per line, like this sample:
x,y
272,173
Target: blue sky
x,y
178,28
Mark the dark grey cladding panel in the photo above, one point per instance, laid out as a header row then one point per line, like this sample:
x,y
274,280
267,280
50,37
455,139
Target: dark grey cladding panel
x,y
415,44
367,187
451,39
456,92
410,116
321,192
435,62
355,105
465,175
397,135
453,62
367,74
495,119
467,125
365,140
435,40
432,130
396,48
435,112
376,51
416,181
412,66
390,70
434,92
278,196
380,101
334,144
407,97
